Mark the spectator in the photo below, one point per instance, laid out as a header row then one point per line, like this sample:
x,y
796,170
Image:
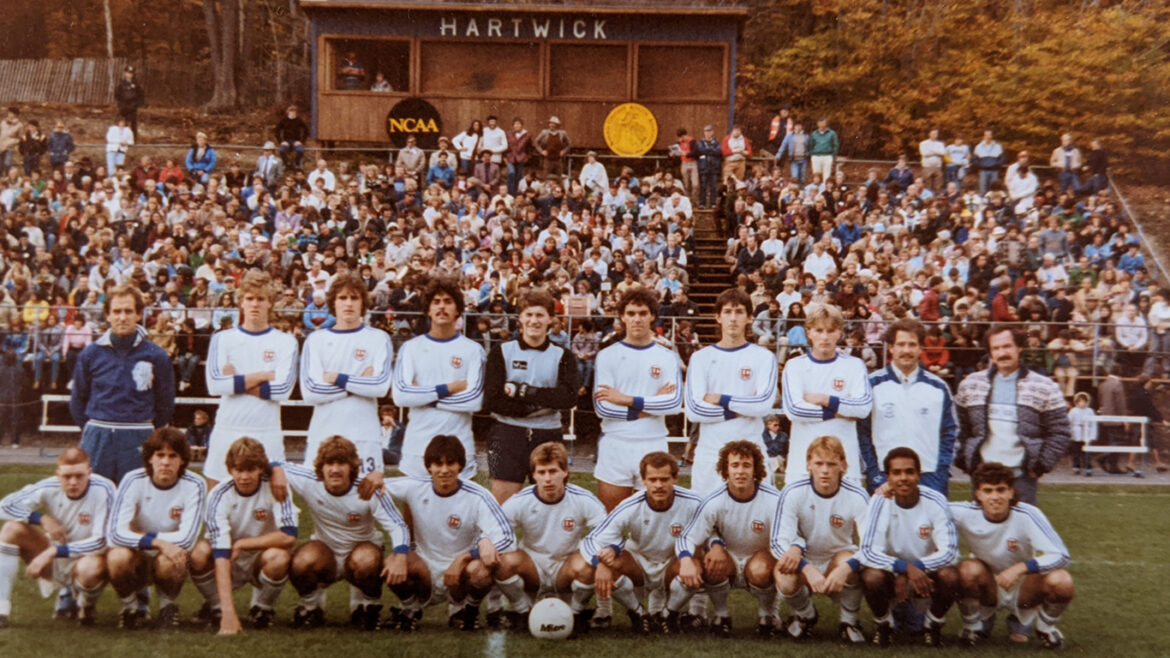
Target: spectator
x,y
11,129
823,148
988,159
441,172
552,143
934,154
796,146
129,96
736,148
1067,159
684,150
495,140
593,177
381,84
291,133
60,145
268,167
1111,401
200,160
468,143
412,159
351,74
519,151
1098,167
957,160
33,146
710,156
119,137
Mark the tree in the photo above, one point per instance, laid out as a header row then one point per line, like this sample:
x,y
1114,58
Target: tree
x,y
222,18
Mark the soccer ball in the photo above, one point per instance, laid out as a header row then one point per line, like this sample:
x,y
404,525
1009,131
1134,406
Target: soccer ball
x,y
550,619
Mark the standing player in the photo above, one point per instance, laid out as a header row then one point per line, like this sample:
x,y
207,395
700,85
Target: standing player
x,y
638,383
730,388
553,516
911,407
734,523
439,376
908,546
825,393
528,382
344,370
632,551
152,527
1017,561
346,543
460,533
69,548
813,541
249,538
252,367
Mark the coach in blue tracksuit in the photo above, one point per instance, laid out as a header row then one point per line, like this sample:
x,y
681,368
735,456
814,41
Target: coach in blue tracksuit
x,y
123,388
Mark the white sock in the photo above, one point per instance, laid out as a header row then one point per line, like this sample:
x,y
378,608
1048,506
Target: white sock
x,y
934,621
766,597
655,601
130,601
314,599
9,566
1027,616
699,603
494,601
605,606
513,588
800,601
358,598
623,593
1049,615
678,595
971,612
410,604
581,596
206,586
264,597
850,601
887,618
164,599
719,594
89,597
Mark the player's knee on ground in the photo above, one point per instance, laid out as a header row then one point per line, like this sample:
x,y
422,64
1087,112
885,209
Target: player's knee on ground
x,y
274,562
1058,586
758,570
201,560
90,571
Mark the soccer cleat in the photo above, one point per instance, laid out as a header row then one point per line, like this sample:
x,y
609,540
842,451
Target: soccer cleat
x,y
721,627
495,620
851,633
3,621
517,621
1018,631
168,617
932,635
85,615
639,623
129,619
66,605
969,637
205,612
1052,639
373,612
582,622
306,619
465,619
261,618
668,623
883,634
766,627
799,628
357,618
692,623
600,623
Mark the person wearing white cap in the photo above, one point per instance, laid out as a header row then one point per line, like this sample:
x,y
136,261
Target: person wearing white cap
x,y
268,166
552,143
593,177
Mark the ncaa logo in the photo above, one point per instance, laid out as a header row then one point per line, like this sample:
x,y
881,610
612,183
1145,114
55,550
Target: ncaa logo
x,y
84,519
838,384
1013,545
260,514
176,513
676,530
568,525
456,362
757,527
454,522
359,354
745,373
836,521
655,372
924,531
354,517
269,356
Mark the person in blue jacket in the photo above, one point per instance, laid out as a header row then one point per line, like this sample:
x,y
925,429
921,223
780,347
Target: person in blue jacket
x,y
200,159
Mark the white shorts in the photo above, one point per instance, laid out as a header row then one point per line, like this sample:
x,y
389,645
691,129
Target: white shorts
x,y
737,579
618,460
244,570
547,567
413,466
439,592
369,454
704,478
1009,599
221,439
63,570
654,572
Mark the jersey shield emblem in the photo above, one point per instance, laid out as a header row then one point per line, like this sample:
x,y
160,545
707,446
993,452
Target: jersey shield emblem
x,y
676,530
454,522
757,527
745,373
269,356
84,519
359,354
353,517
838,384
1013,545
176,513
260,514
924,531
655,372
836,521
568,524
456,362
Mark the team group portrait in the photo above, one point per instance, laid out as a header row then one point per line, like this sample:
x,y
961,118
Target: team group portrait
x,y
525,328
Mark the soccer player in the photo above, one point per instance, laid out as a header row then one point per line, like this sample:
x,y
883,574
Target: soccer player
x,y
252,368
528,381
734,524
911,407
908,548
346,542
730,388
439,376
553,516
1017,561
632,550
344,370
825,393
813,541
250,536
460,533
153,525
638,383
69,546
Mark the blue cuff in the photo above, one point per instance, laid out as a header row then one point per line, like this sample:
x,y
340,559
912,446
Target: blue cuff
x,y
829,411
802,565
63,550
716,542
724,400
594,560
276,464
919,564
342,379
899,566
1033,566
442,391
474,553
147,540
290,530
638,404
401,549
854,564
265,391
221,554
617,550
35,518
239,382
683,554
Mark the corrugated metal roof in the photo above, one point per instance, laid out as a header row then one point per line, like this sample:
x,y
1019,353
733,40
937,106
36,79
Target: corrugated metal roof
x,y
85,81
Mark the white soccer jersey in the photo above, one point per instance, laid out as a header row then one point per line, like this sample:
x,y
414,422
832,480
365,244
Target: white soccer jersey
x,y
633,526
425,367
447,526
821,526
143,512
232,516
744,527
553,530
638,372
247,352
84,518
342,522
845,380
892,536
349,406
1024,536
745,378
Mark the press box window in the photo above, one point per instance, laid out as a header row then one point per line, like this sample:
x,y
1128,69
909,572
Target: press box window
x,y
681,73
492,70
355,64
588,71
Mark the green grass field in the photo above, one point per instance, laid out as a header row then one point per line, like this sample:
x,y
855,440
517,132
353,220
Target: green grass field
x,y
1115,535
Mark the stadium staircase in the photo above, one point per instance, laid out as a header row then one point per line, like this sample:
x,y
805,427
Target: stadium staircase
x,y
711,277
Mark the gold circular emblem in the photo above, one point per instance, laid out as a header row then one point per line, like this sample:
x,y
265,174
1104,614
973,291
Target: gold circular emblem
x,y
630,129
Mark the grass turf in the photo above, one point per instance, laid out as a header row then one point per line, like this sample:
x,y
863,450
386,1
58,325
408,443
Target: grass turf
x,y
1114,534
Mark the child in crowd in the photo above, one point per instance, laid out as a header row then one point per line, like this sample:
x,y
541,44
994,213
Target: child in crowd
x,y
1084,431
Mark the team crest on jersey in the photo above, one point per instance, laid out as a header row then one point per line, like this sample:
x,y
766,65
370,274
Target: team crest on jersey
x,y
836,521
84,519
676,530
888,410
924,531
359,354
1013,545
269,356
456,362
260,514
838,384
176,513
454,522
757,527
745,373
655,372
568,525
354,517
517,364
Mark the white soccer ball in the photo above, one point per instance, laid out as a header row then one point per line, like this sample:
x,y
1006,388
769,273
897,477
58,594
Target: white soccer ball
x,y
550,619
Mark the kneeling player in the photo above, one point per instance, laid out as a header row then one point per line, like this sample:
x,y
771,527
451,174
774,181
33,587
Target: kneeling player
x,y
908,546
346,543
813,541
734,523
553,516
69,547
153,525
633,548
1017,560
249,538
459,533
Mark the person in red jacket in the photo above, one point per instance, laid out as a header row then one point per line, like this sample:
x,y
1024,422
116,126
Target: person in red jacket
x,y
928,308
935,356
737,148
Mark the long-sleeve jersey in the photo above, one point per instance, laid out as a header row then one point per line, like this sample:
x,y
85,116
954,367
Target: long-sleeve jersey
x,y
1024,536
745,377
893,536
553,530
136,387
341,522
821,526
638,372
83,518
143,512
447,526
249,352
744,527
425,367
919,414
845,380
232,516
349,406
633,526
549,377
